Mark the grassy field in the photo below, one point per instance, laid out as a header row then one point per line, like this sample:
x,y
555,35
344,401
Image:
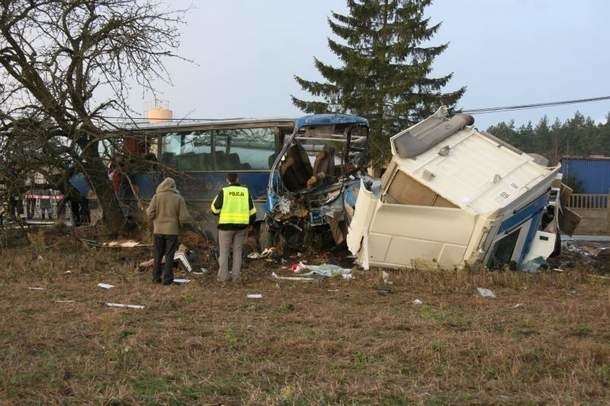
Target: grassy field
x,y
544,339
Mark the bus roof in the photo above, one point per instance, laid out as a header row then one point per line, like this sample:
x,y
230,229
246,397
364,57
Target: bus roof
x,y
208,124
311,120
329,119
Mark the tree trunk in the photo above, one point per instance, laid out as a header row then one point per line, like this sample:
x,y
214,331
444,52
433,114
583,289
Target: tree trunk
x,y
95,172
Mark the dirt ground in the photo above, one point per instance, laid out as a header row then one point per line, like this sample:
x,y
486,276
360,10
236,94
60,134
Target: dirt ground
x,y
545,338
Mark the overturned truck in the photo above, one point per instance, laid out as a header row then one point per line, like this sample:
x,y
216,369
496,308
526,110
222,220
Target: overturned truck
x,y
453,195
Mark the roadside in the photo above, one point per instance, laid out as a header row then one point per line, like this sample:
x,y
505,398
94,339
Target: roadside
x,y
544,338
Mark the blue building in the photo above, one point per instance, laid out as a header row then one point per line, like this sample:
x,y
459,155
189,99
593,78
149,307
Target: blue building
x,y
592,173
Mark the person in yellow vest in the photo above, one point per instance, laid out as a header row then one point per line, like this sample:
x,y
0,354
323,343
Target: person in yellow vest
x,y
235,210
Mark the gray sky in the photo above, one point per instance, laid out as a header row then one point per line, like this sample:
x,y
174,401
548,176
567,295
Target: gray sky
x,y
505,51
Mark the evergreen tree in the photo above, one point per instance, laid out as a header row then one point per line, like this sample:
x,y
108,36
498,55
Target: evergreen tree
x,y
385,69
579,136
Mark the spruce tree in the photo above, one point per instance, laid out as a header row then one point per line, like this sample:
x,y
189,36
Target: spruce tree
x,y
385,68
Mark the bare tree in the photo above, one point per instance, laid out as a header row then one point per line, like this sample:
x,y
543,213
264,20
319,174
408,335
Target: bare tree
x,y
69,62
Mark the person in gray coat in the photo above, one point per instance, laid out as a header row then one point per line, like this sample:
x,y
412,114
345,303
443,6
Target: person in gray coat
x,y
167,210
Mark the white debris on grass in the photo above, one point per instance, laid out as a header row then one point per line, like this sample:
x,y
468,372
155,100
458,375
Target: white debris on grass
x,y
35,288
254,296
516,306
327,270
417,302
264,254
105,286
128,306
486,292
183,259
181,281
291,278
123,244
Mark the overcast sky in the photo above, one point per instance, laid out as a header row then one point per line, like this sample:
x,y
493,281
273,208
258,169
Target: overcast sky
x,y
506,52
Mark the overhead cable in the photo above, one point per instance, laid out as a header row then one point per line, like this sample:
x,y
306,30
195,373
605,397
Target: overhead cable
x,y
484,110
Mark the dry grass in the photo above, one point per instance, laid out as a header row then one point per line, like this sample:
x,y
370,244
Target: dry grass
x,y
333,342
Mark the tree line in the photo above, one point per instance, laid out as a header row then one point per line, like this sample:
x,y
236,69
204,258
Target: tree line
x,y
576,136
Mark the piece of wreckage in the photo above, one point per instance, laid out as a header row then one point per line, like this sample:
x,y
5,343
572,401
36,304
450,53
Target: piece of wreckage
x,y
314,181
453,195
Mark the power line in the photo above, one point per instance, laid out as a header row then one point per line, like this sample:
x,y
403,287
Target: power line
x,y
534,105
484,110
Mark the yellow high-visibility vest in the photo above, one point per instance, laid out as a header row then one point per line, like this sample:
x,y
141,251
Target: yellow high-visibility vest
x,y
235,206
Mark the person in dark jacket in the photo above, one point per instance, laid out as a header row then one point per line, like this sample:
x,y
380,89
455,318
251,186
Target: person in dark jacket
x,y
168,212
235,210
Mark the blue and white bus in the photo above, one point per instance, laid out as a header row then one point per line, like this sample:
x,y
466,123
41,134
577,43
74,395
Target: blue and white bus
x,y
200,154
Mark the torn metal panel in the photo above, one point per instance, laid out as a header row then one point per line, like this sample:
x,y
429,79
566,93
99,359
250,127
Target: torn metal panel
x,y
543,246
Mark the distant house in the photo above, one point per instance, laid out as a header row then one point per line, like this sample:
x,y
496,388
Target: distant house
x,y
591,173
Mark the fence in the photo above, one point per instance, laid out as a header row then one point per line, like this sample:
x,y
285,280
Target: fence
x,y
588,201
594,210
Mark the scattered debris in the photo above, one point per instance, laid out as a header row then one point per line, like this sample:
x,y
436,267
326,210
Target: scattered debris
x,y
36,288
384,290
129,306
145,265
386,278
297,267
486,292
105,285
264,254
181,258
125,244
40,258
327,270
68,271
593,254
291,278
516,306
65,301
254,296
417,302
115,244
534,265
181,281
184,257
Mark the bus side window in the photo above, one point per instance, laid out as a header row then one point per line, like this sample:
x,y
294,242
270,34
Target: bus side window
x,y
250,148
187,151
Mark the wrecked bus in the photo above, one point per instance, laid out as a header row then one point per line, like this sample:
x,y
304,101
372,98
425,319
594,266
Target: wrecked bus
x,y
314,181
452,196
199,155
